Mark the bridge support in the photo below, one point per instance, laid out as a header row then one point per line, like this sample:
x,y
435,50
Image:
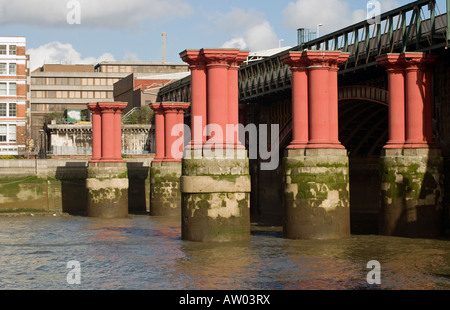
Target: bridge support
x,y
165,170
411,163
315,164
107,181
215,181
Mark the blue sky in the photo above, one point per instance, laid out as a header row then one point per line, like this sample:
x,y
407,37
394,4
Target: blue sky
x,y
132,29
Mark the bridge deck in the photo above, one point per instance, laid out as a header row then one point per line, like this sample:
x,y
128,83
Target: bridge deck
x,y
417,26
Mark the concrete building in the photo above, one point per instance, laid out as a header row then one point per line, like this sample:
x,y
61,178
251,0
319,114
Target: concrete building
x,y
14,95
56,88
140,67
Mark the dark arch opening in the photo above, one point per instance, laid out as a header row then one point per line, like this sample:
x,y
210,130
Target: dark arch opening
x,y
363,130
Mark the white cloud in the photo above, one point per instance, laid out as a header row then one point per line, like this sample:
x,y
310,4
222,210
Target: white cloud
x,y
60,53
130,56
102,13
332,14
235,43
387,5
248,29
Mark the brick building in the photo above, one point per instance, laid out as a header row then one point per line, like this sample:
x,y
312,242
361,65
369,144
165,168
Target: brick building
x,y
14,96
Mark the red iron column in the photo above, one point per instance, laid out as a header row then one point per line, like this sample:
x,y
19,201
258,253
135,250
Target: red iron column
x,y
96,132
159,132
233,95
107,131
217,64
170,120
198,95
321,88
396,85
300,131
334,109
418,130
119,107
173,115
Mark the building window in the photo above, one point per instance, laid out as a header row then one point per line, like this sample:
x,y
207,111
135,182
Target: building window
x,y
2,133
38,81
12,110
3,109
12,50
2,49
12,89
3,68
12,133
12,69
2,89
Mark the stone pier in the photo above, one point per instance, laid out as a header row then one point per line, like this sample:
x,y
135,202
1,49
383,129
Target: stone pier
x,y
215,181
165,171
107,175
411,163
316,164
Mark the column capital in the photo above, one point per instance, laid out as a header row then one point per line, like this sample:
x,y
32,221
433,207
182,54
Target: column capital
x,y
111,107
413,61
219,56
194,58
240,58
93,106
392,61
324,58
301,60
174,107
157,107
295,60
407,60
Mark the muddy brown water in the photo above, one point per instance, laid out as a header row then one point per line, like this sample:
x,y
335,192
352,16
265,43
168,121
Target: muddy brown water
x,y
147,253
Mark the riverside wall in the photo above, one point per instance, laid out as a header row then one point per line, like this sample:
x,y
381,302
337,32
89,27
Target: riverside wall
x,y
59,185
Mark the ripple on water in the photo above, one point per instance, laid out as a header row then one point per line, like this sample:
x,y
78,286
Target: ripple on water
x,y
147,253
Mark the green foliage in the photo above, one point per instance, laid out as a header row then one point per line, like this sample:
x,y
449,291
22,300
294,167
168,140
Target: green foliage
x,y
8,157
144,115
58,116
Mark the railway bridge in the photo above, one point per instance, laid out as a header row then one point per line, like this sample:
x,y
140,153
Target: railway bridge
x,y
363,133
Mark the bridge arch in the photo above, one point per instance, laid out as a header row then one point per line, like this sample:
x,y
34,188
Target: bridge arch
x,y
363,119
363,92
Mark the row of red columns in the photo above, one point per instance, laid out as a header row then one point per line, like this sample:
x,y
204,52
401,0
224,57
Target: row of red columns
x,y
107,131
410,99
214,93
167,116
315,98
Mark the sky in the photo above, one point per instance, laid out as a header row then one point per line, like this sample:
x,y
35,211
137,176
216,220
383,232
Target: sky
x,y
89,31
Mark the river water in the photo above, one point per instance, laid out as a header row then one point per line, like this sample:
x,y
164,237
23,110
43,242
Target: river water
x,y
147,253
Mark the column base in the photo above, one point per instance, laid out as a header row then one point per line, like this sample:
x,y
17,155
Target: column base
x,y
411,192
165,195
107,187
316,194
215,200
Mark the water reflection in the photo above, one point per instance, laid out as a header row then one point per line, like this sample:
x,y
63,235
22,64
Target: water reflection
x,y
143,252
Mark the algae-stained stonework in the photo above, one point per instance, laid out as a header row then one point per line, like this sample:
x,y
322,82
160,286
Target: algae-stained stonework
x,y
316,194
165,192
411,190
215,199
107,185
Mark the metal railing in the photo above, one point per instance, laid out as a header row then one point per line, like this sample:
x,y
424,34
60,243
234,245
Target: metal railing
x,y
418,26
